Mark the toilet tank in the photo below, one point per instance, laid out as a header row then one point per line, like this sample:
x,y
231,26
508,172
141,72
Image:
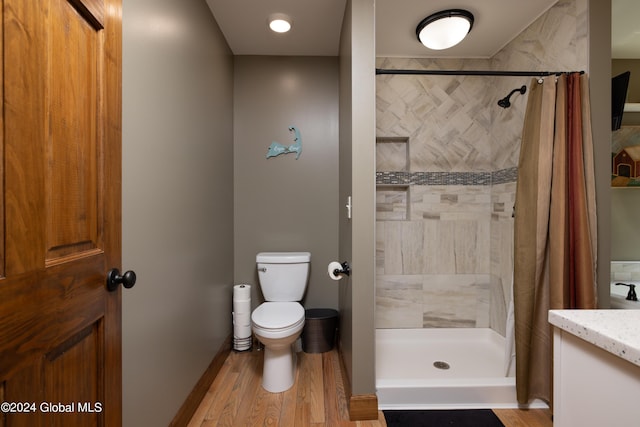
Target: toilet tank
x,y
283,275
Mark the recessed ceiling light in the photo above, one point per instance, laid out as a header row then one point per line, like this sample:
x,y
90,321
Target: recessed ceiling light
x,y
280,23
444,29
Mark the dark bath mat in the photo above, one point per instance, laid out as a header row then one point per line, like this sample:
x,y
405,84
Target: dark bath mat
x,y
443,418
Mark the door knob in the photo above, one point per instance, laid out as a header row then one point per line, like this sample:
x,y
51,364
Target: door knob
x,y
114,278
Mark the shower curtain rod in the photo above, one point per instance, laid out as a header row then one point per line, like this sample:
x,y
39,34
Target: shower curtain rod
x,y
473,72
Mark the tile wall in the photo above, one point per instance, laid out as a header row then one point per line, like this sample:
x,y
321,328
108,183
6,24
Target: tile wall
x,y
447,160
625,271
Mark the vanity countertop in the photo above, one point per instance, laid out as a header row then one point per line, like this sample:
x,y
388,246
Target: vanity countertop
x,y
616,331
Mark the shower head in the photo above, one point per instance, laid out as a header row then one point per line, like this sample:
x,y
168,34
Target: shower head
x,y
505,103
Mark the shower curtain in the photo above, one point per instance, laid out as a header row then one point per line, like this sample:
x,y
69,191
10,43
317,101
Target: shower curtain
x,y
555,224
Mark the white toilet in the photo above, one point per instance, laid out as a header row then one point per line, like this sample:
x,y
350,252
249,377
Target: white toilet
x,y
278,322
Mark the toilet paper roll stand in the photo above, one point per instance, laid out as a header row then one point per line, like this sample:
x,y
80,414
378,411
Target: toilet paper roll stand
x,y
241,318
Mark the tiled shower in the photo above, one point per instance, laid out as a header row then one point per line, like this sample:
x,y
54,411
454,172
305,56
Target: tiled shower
x,y
442,208
446,162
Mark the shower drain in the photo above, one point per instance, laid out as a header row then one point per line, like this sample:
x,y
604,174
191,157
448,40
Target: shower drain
x,y
441,365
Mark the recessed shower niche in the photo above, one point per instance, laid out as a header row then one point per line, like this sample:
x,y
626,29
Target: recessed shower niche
x,y
392,154
392,178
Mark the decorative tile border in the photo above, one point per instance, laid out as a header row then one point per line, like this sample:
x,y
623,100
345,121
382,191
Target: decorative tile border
x,y
447,178
504,176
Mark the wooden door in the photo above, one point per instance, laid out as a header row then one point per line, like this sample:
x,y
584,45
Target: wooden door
x,y
60,329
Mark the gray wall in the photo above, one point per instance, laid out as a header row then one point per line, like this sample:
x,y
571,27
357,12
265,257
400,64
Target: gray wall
x,y
625,233
599,27
357,178
177,202
346,244
283,203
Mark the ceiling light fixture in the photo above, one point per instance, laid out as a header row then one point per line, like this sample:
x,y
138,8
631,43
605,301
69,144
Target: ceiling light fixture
x,y
444,29
279,22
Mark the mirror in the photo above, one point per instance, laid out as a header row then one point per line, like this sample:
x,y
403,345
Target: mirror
x,y
625,198
625,170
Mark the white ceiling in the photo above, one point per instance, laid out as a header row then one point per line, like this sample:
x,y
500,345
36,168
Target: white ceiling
x,y
317,24
315,30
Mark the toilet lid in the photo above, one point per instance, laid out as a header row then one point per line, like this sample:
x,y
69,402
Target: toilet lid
x,y
277,315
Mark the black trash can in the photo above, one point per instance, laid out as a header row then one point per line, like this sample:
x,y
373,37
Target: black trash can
x,y
319,332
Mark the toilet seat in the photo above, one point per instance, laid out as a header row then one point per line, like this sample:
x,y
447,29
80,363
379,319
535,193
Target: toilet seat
x,y
277,319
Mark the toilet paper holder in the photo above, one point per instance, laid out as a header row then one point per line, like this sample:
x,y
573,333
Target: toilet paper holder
x,y
346,270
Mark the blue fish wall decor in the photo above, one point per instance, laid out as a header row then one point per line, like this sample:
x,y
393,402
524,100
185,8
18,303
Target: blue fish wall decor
x,y
275,149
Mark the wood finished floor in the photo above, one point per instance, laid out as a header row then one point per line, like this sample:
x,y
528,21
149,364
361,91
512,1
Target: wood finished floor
x,y
236,398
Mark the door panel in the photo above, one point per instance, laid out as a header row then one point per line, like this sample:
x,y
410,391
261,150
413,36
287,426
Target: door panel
x,y
60,331
73,197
